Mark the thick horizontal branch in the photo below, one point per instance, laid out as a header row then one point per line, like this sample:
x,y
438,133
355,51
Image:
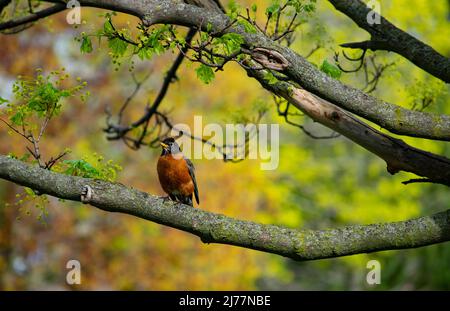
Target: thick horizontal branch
x,y
215,228
398,155
386,36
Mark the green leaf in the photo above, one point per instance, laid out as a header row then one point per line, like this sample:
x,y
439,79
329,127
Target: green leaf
x,y
29,191
208,27
274,8
145,53
17,118
118,46
270,78
11,155
331,70
81,168
233,11
254,7
231,41
2,100
86,45
25,157
205,73
108,28
248,26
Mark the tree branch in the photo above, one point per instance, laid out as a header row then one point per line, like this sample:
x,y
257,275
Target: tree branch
x,y
385,36
398,155
118,131
389,116
215,228
32,17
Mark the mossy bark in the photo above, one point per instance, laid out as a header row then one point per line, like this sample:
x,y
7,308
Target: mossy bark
x,y
216,228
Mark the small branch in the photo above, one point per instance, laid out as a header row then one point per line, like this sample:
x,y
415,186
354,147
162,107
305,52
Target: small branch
x,y
291,28
138,85
359,59
313,50
377,73
36,151
269,16
417,180
53,161
32,17
16,130
285,114
373,45
117,34
222,149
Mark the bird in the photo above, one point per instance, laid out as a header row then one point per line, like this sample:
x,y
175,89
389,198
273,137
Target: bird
x,y
177,173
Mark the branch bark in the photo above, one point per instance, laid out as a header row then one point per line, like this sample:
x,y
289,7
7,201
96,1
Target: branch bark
x,y
214,228
386,36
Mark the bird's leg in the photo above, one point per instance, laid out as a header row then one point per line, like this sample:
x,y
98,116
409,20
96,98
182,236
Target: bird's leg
x,y
169,198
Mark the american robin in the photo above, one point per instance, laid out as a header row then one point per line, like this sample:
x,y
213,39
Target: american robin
x,y
176,173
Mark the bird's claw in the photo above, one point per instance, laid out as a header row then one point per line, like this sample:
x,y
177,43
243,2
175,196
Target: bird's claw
x,y
167,198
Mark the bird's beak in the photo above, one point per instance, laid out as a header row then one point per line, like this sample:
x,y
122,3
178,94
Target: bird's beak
x,y
165,146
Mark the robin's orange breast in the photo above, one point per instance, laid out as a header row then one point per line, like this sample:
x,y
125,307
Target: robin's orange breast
x,y
174,175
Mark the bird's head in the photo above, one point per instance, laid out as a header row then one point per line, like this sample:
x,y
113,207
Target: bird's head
x,y
170,146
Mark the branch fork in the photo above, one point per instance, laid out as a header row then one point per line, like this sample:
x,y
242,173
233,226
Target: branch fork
x,y
270,59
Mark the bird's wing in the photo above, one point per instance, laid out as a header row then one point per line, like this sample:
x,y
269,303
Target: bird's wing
x,y
192,173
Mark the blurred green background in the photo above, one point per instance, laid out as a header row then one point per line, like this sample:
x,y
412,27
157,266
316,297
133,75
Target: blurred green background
x,y
319,183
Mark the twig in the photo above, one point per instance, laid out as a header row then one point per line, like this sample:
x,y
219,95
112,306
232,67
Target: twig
x,y
16,131
119,131
32,17
138,85
359,59
418,180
